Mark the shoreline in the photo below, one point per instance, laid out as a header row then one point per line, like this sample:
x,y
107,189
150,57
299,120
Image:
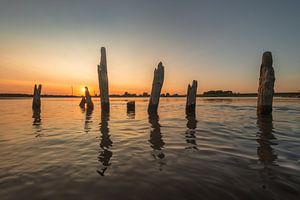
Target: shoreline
x,y
20,96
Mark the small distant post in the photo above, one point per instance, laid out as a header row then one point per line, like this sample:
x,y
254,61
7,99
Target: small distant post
x,y
103,81
157,84
191,98
82,102
130,106
36,102
88,99
266,85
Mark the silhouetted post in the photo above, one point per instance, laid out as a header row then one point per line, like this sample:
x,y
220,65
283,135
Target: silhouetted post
x,y
191,98
266,85
157,84
103,81
88,99
130,106
36,102
82,102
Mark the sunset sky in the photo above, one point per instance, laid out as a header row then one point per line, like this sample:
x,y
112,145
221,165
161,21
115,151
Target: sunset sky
x,y
219,43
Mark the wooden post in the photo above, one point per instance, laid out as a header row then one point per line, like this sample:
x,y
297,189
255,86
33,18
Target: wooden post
x,y
157,84
36,102
103,81
191,98
88,99
266,85
130,106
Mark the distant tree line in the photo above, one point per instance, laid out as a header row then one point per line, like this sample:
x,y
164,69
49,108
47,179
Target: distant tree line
x,y
211,93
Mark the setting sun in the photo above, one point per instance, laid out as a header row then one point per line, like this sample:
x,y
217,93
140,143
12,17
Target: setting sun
x,y
83,90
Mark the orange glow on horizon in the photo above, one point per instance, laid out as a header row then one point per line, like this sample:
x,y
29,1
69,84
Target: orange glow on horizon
x,y
68,71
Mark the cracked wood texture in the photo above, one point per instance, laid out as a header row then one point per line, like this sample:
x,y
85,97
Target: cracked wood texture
x,y
191,98
36,102
266,85
157,84
103,81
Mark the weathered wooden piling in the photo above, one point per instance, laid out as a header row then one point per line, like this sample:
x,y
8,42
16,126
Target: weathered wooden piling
x,y
157,84
130,106
266,85
191,98
103,81
36,102
88,99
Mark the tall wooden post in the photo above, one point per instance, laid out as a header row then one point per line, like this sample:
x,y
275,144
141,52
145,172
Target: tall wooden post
x,y
88,99
36,102
191,98
103,81
266,85
157,84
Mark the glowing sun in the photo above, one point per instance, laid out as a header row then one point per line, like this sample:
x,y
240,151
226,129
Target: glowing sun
x,y
83,90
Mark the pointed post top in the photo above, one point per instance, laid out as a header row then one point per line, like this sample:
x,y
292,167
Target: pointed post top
x,y
267,59
160,66
159,73
102,50
86,90
103,63
39,89
195,83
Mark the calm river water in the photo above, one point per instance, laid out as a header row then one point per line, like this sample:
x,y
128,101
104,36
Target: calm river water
x,y
225,152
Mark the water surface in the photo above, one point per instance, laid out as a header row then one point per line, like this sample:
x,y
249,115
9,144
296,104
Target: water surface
x,y
223,152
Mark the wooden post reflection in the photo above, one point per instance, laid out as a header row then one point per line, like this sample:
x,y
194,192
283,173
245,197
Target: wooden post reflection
x,y
105,153
190,133
156,141
88,120
36,115
37,121
265,138
130,113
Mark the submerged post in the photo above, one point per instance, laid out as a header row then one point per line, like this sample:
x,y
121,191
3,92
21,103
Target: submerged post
x,y
88,99
130,106
82,102
266,85
157,84
191,98
36,102
103,81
